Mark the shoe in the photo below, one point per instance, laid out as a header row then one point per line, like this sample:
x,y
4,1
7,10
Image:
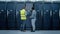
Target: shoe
x,y
32,31
21,30
24,30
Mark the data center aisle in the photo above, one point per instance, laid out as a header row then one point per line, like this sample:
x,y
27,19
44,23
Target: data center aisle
x,y
28,32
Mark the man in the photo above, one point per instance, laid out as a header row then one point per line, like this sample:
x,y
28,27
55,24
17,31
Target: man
x,y
33,19
23,18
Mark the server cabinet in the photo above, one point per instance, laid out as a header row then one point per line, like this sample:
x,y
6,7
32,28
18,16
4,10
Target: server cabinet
x,y
28,6
59,15
51,21
11,15
38,6
46,21
55,14
20,6
2,15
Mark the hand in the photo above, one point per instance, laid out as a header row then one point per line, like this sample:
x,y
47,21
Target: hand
x,y
30,16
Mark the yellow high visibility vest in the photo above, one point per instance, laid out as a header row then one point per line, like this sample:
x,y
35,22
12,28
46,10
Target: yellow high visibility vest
x,y
23,14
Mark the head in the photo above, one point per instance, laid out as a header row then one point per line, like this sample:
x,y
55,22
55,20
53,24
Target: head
x,y
33,8
23,8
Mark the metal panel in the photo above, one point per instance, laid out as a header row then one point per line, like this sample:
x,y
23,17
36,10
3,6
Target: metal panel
x,y
29,6
55,7
2,15
38,7
11,15
47,8
59,16
20,5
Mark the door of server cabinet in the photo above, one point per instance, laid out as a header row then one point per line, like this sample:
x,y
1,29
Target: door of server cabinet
x,y
46,21
20,6
38,6
55,14
59,16
28,6
3,15
11,15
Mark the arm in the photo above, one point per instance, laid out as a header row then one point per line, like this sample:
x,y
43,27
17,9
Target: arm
x,y
33,14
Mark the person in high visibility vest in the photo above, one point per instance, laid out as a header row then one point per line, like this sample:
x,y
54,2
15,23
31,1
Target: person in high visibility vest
x,y
23,18
23,14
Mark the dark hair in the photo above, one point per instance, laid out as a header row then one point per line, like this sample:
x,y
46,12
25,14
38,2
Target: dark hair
x,y
24,6
32,8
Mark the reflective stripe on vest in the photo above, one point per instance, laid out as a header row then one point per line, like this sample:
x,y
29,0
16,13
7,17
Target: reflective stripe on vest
x,y
23,14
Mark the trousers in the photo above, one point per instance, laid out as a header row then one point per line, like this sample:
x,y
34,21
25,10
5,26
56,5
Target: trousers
x,y
33,23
